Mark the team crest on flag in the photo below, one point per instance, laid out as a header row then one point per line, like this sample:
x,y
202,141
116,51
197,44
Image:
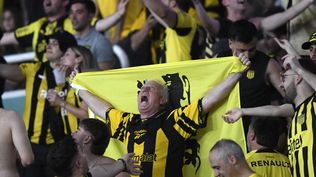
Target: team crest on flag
x,y
187,82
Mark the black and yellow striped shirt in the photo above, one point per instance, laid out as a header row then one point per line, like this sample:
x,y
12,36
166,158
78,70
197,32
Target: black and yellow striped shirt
x,y
39,117
34,34
301,145
158,142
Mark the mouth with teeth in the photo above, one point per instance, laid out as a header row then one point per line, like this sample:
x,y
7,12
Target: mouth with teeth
x,y
144,99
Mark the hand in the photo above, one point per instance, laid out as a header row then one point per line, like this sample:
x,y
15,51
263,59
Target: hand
x,y
73,75
243,59
54,98
286,45
290,62
232,115
121,7
63,69
151,21
131,167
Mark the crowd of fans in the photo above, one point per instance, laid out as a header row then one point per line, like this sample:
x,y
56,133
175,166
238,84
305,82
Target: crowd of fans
x,y
277,90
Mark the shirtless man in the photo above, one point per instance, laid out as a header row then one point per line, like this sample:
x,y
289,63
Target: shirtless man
x,y
14,143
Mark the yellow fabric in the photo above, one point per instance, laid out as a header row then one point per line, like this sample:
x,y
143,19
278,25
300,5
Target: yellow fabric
x,y
178,47
208,4
269,164
119,87
1,6
254,175
108,8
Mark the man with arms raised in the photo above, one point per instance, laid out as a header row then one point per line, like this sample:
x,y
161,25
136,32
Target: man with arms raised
x,y
14,143
157,135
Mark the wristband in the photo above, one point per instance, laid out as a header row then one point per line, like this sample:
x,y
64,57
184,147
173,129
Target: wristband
x,y
124,163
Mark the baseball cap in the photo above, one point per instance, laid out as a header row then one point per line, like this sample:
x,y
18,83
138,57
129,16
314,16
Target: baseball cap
x,y
312,40
64,38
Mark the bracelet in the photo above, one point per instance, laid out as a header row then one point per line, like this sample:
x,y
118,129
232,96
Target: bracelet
x,y
124,163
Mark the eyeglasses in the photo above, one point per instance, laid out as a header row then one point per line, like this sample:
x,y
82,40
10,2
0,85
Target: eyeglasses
x,y
285,75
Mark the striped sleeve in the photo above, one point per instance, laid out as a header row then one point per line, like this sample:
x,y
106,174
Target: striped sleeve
x,y
188,119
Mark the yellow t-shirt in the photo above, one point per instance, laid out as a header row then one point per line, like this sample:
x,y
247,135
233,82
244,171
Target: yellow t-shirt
x,y
179,40
268,162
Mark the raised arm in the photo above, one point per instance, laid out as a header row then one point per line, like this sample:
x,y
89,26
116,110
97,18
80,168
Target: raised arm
x,y
292,62
219,92
287,46
11,72
276,20
96,104
285,110
210,24
106,23
139,37
20,139
273,75
165,13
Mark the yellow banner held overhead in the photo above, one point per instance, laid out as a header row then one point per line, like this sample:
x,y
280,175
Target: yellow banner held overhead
x,y
187,81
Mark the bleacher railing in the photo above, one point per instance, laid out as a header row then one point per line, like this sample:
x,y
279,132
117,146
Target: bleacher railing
x,y
17,58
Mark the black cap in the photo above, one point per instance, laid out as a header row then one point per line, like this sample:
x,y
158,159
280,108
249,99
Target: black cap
x,y
312,40
64,38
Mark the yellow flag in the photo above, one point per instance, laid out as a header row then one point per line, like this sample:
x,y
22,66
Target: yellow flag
x,y
187,81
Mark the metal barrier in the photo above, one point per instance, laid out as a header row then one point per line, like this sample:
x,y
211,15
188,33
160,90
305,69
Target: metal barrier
x,y
17,58
15,99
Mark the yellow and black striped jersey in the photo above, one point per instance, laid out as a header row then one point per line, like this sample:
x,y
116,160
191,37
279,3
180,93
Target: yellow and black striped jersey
x,y
70,121
269,163
158,142
43,122
34,34
301,145
179,40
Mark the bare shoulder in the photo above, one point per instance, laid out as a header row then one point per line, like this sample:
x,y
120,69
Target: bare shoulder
x,y
273,65
9,115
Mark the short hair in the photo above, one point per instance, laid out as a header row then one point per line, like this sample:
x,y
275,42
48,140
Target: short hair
x,y
61,156
85,53
100,132
226,147
164,91
243,31
89,4
308,65
184,5
267,131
